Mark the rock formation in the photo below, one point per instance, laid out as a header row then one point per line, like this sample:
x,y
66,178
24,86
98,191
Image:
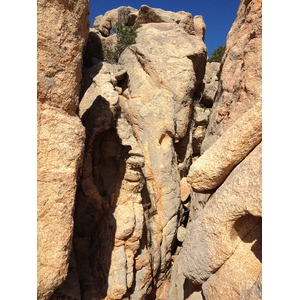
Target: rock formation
x,y
62,34
168,202
137,120
240,72
222,249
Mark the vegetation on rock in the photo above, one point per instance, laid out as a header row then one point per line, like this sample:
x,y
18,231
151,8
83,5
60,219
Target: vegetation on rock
x,y
217,55
125,37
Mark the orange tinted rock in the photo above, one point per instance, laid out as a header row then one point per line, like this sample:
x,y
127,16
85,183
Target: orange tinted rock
x,y
62,31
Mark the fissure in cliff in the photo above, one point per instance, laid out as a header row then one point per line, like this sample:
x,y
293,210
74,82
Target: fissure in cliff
x,y
154,219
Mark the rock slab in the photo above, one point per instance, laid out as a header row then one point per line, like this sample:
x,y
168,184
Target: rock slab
x,y
62,32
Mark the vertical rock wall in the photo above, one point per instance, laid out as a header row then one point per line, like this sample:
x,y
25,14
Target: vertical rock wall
x,y
221,253
240,71
151,220
137,116
62,33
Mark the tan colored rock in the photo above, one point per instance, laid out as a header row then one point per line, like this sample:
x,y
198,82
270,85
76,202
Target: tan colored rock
x,y
109,216
181,233
199,26
212,168
105,23
185,189
239,272
124,14
241,74
70,287
229,215
102,85
128,199
200,118
62,32
197,295
210,83
156,15
255,292
161,80
180,286
201,115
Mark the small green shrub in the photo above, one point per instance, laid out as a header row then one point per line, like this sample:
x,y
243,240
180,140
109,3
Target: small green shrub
x,y
217,55
125,37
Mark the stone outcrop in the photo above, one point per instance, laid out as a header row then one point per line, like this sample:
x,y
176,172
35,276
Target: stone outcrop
x,y
62,33
137,116
212,168
239,271
168,201
100,36
210,83
222,248
240,72
255,292
213,236
124,14
152,65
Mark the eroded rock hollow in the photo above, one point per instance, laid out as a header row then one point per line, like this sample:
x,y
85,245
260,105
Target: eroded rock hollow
x,y
167,183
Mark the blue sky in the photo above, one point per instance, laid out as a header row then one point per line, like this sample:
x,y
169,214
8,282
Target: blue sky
x,y
218,14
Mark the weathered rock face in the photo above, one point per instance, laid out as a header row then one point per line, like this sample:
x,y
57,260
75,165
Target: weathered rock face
x,y
137,116
240,72
213,236
211,169
62,32
222,248
152,99
153,218
100,36
210,83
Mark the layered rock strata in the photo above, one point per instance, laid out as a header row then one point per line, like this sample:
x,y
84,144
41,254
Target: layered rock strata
x,y
62,33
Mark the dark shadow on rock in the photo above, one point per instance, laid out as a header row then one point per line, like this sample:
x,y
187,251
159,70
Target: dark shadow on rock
x,y
98,190
92,61
97,118
70,289
190,287
88,75
93,50
249,229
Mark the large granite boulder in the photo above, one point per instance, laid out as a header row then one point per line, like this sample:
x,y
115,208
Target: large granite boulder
x,y
222,248
240,72
137,116
62,32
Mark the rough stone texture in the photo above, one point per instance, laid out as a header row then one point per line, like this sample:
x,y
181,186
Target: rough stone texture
x,y
185,189
210,83
200,118
138,127
199,26
70,288
229,215
212,168
160,90
240,71
239,272
109,211
123,14
62,32
255,292
140,232
181,287
156,15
